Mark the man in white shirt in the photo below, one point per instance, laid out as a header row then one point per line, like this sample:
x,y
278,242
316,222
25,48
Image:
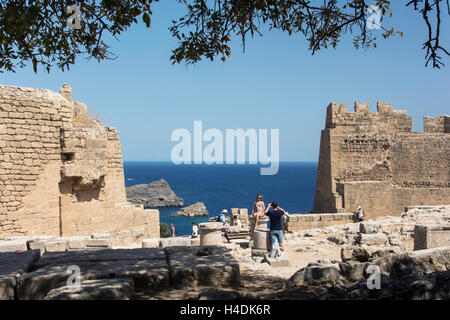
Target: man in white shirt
x,y
223,218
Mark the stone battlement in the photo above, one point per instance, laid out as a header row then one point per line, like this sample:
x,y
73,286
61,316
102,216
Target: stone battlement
x,y
374,159
439,124
62,173
385,119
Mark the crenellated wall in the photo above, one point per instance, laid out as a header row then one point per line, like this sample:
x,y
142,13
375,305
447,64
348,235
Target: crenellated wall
x,y
374,159
61,173
436,125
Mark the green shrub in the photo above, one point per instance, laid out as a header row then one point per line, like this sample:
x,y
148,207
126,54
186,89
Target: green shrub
x,y
164,230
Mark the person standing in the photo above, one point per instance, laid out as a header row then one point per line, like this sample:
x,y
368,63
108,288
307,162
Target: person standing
x,y
194,230
360,214
172,230
275,215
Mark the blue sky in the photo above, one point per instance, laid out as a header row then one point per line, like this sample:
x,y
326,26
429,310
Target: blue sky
x,y
277,83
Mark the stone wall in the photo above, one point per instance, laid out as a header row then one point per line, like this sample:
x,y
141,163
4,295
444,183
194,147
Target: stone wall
x,y
62,173
374,159
436,125
299,222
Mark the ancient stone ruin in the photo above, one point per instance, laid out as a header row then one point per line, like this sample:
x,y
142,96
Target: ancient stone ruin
x,y
62,173
374,159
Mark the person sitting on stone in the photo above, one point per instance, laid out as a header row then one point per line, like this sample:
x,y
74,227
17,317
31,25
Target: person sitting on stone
x,y
275,215
194,230
237,222
224,219
258,208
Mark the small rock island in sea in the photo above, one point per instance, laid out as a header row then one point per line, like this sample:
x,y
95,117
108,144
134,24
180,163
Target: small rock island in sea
x,y
196,210
156,194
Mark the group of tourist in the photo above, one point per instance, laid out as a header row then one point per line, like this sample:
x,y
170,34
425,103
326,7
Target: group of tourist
x,y
277,219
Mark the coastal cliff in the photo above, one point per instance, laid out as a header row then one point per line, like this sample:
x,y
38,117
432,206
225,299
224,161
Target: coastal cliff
x,y
156,194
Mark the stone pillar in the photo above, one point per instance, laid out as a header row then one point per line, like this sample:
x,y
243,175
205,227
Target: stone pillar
x,y
261,244
261,239
262,223
211,233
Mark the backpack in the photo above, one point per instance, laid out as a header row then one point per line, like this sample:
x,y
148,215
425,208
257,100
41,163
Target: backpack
x,y
218,219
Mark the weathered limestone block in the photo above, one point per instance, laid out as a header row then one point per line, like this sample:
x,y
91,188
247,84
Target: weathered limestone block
x,y
175,241
92,173
211,233
147,267
100,236
314,275
79,111
422,262
150,243
38,245
18,238
195,241
368,227
66,92
362,107
77,242
372,239
12,264
383,107
7,287
234,211
56,245
280,262
258,252
354,271
104,289
354,253
262,223
207,265
13,245
431,236
261,239
98,243
243,211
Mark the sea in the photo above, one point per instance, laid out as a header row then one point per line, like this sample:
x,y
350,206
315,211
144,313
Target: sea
x,y
227,186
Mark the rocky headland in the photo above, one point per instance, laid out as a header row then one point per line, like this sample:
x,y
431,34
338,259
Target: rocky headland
x,y
195,210
156,194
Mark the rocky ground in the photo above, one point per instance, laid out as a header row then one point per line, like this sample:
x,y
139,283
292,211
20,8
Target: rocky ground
x,y
331,263
328,263
326,244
